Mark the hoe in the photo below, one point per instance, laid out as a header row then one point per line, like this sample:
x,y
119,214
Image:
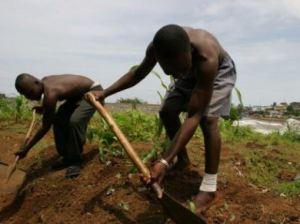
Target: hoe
x,y
177,212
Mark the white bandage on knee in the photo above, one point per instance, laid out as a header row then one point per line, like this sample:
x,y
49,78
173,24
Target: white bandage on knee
x,y
209,183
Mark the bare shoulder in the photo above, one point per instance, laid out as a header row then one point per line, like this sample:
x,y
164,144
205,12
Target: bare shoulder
x,y
205,42
149,60
150,50
50,96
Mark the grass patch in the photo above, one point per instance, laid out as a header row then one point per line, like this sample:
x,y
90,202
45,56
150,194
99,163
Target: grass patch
x,y
288,188
263,167
261,171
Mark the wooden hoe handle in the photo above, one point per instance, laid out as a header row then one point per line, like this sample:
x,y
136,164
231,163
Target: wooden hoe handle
x,y
12,167
124,142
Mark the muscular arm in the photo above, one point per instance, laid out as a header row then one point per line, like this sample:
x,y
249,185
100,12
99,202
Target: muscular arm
x,y
135,75
200,99
48,118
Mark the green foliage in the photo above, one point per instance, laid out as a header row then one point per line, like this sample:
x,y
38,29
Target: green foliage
x,y
291,111
237,111
6,109
234,113
235,133
101,133
131,100
14,108
162,83
265,156
22,108
289,188
261,171
291,136
239,96
136,125
124,205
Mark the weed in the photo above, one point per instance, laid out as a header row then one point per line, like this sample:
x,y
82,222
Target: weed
x,y
288,188
124,205
14,108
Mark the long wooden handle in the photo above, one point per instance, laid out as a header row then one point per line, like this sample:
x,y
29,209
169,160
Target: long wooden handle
x,y
31,126
124,142
13,166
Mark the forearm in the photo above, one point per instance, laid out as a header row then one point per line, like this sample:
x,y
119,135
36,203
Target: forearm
x,y
37,137
126,81
182,137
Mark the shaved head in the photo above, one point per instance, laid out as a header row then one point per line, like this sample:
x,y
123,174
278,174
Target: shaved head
x,y
173,50
171,40
29,86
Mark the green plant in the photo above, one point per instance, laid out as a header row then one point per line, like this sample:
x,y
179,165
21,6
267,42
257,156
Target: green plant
x,y
261,171
6,108
17,108
288,188
131,100
237,111
21,108
124,205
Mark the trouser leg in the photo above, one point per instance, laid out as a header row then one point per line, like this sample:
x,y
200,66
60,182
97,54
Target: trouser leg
x,y
77,131
61,127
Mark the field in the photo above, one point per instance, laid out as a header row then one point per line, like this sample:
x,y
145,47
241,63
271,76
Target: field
x,y
256,178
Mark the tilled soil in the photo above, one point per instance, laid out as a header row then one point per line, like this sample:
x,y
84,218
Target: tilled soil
x,y
107,193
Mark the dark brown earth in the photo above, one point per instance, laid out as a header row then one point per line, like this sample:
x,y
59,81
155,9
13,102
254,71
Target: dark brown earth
x,y
106,193
9,186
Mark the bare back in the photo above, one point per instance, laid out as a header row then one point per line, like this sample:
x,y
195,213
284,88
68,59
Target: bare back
x,y
66,86
203,40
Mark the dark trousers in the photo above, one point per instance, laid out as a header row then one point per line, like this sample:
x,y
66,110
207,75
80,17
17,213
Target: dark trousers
x,y
70,127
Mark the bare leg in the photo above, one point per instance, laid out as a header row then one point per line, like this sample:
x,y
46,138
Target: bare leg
x,y
212,141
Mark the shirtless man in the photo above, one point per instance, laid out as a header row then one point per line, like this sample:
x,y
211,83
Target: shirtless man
x,y
204,78
69,122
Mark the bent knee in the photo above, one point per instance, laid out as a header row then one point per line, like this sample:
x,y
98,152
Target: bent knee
x,y
168,113
210,124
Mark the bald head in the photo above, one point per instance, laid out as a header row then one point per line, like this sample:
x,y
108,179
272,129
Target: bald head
x,y
173,50
29,86
171,40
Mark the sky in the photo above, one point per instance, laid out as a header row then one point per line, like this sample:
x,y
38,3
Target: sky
x,y
103,39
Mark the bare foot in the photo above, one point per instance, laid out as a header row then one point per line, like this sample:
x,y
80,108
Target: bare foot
x,y
203,200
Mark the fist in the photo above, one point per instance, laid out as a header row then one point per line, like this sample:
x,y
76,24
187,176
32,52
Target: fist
x,y
157,174
21,153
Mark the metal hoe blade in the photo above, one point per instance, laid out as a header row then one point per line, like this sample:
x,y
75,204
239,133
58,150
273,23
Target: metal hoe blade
x,y
179,213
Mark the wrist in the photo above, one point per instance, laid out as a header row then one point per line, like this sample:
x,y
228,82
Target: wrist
x,y
164,162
